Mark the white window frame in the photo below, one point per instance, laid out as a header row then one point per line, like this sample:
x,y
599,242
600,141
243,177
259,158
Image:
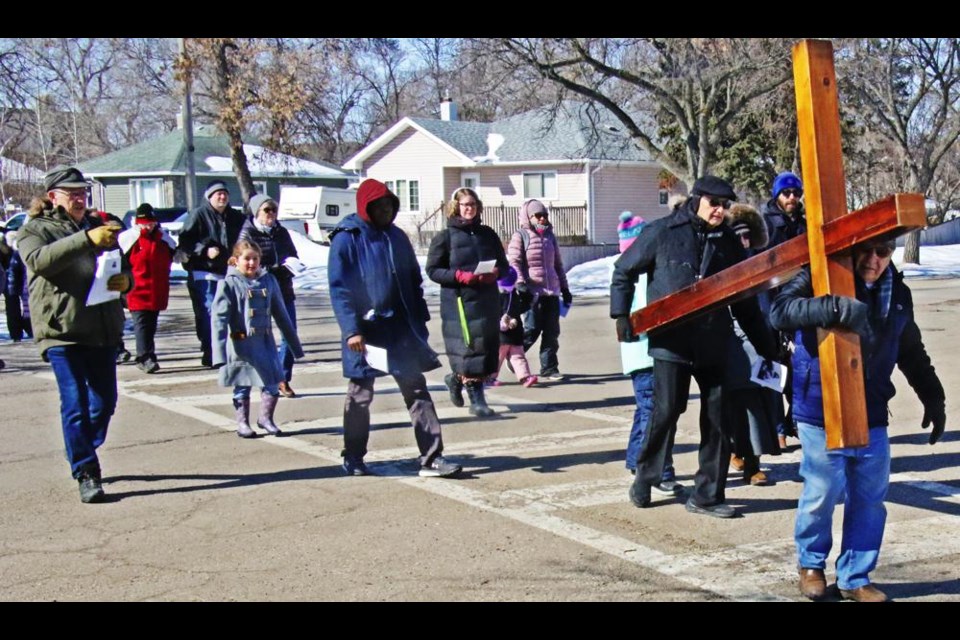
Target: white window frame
x,y
136,193
545,196
260,186
405,204
473,175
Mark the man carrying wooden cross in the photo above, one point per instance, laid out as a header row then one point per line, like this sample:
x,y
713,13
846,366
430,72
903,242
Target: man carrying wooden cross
x,y
676,251
882,313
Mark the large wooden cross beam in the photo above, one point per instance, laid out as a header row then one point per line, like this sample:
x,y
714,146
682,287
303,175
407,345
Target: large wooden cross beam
x,y
831,232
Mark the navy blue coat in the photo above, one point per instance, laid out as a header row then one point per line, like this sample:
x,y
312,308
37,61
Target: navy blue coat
x,y
205,228
780,226
275,247
375,290
894,341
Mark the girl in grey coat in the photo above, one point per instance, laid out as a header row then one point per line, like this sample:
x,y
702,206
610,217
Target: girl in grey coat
x,y
243,345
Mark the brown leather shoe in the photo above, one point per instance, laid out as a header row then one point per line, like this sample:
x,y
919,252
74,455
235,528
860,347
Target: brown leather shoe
x,y
759,479
813,584
866,593
736,463
286,391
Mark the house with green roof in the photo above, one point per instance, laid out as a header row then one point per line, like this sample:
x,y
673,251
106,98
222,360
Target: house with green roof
x,y
571,156
155,171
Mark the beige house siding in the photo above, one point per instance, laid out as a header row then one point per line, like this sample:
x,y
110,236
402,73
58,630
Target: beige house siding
x,y
116,199
624,188
505,184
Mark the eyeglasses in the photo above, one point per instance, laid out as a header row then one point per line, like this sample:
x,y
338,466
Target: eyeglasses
x,y
743,233
883,251
468,205
75,194
719,202
792,193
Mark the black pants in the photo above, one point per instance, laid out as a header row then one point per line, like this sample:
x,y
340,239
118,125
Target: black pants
x,y
671,386
145,328
17,323
423,416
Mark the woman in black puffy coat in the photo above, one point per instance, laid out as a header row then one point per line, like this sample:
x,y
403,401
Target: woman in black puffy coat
x,y
469,301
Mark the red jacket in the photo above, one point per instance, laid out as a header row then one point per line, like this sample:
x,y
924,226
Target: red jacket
x,y
150,260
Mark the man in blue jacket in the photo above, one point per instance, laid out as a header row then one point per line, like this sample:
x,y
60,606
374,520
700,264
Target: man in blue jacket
x,y
882,313
375,290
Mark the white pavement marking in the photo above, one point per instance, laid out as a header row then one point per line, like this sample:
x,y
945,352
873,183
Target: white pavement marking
x,y
723,572
210,375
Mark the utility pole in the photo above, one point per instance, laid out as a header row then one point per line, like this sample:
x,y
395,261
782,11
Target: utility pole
x,y
187,111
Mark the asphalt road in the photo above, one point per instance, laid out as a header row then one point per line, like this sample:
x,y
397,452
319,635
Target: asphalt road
x,y
540,513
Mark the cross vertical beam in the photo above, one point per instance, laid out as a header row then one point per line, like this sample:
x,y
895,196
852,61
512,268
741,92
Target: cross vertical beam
x,y
818,123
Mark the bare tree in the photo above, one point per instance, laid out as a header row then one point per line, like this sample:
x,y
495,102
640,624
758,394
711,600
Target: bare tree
x,y
677,98
910,92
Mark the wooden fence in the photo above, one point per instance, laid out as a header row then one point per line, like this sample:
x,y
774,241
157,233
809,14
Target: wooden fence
x,y
569,223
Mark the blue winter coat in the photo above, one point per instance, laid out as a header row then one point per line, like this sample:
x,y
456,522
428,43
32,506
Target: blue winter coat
x,y
243,334
895,340
375,290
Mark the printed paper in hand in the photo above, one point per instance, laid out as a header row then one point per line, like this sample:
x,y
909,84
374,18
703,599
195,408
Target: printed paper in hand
x,y
377,358
768,373
295,266
485,266
128,238
108,264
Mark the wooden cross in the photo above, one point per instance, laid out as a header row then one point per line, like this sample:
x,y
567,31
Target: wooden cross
x,y
831,232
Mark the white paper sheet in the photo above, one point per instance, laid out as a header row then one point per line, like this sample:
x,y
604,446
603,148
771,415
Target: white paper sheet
x,y
128,238
108,264
770,374
377,358
295,266
485,266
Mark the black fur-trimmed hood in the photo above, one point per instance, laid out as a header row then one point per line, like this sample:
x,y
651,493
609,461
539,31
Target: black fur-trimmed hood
x,y
745,214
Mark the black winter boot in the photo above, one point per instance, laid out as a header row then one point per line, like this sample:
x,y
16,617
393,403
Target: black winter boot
x,y
455,386
478,404
242,406
268,404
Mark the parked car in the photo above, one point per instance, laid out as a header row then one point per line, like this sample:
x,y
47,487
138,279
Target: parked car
x,y
175,226
10,226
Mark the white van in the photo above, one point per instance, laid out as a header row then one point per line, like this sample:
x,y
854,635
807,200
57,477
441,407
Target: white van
x,y
315,211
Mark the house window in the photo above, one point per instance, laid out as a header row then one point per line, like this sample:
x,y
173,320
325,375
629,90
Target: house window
x,y
260,186
408,191
470,180
664,197
147,190
540,185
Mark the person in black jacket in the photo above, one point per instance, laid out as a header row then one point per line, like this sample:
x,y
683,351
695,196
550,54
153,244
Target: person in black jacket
x,y
276,247
882,313
207,238
469,302
676,251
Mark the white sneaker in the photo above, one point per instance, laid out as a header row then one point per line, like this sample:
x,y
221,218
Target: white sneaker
x,y
439,468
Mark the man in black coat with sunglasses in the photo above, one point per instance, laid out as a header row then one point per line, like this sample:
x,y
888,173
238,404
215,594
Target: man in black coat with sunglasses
x,y
676,251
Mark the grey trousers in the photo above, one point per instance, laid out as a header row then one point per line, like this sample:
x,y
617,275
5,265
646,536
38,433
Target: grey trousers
x,y
423,416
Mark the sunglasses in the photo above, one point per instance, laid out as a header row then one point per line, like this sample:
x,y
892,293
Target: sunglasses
x,y
269,209
719,202
743,233
882,251
792,193
540,215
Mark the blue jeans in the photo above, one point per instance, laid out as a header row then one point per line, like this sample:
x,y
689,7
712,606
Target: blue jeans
x,y
284,350
201,295
863,474
87,381
643,394
242,393
543,321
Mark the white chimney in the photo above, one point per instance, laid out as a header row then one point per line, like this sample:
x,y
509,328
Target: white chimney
x,y
448,110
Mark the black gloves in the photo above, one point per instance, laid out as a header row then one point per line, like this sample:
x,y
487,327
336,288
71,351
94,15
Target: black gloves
x,y
852,314
567,296
935,412
624,330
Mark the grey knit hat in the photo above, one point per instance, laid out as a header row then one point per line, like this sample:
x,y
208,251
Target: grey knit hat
x,y
213,187
258,201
